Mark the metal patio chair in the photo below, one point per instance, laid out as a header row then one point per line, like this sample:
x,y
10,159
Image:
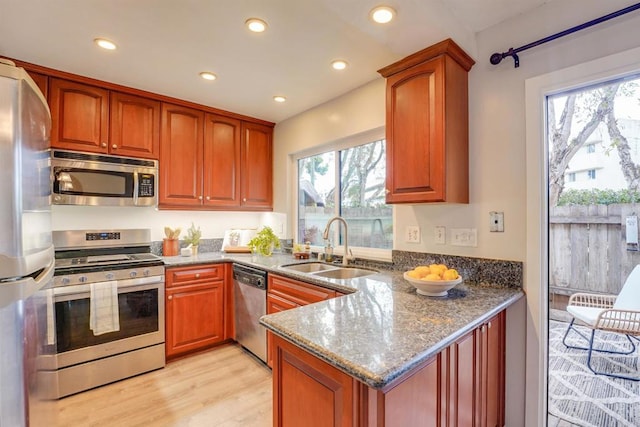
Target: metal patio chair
x,y
610,313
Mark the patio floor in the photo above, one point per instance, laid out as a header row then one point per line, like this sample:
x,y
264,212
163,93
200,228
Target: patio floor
x,y
578,397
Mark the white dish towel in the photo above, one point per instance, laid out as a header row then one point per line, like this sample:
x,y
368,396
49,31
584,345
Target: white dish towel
x,y
104,316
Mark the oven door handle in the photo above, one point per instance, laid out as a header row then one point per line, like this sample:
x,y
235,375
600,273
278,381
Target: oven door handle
x,y
122,284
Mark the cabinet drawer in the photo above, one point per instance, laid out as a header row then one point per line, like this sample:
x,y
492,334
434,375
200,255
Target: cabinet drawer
x,y
188,275
298,292
276,304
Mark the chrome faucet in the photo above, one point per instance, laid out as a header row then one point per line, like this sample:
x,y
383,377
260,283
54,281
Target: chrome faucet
x,y
325,236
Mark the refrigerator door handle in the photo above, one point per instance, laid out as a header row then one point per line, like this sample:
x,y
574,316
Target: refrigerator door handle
x,y
23,288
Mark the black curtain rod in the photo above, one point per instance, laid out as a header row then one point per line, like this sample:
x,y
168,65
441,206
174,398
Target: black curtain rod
x,y
496,58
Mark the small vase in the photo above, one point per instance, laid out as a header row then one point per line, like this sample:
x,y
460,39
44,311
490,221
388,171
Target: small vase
x,y
194,250
170,247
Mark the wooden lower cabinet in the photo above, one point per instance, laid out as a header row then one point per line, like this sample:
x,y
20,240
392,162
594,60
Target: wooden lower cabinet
x,y
284,293
309,392
195,307
461,386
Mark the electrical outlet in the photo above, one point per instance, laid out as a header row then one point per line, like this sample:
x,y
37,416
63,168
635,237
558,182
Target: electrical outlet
x,y
412,234
496,222
440,235
464,237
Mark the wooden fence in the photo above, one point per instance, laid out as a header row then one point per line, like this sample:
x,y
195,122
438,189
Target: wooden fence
x,y
588,249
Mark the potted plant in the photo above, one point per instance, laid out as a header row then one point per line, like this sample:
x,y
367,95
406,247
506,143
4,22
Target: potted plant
x,y
170,243
264,242
193,238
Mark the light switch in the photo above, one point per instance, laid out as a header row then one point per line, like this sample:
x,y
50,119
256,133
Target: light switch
x,y
412,234
440,235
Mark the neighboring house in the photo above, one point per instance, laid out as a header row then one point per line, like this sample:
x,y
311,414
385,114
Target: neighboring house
x,y
597,163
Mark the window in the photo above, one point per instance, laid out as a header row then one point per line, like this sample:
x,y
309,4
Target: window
x,y
350,183
591,148
572,177
591,174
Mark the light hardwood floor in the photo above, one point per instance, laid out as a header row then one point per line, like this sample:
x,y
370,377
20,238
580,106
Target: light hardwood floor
x,y
221,387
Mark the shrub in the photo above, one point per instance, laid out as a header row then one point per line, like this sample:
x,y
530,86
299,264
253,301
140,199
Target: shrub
x,y
598,197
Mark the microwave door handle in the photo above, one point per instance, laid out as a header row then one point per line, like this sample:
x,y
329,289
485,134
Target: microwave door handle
x,y
136,185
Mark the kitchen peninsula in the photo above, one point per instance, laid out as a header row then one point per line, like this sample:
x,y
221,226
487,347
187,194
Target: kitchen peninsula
x,y
381,354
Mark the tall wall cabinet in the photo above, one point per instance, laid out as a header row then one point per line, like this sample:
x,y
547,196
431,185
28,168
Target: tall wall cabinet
x,y
427,126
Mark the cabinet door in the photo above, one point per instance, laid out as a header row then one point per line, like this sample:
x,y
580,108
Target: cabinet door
x,y
309,392
194,317
275,304
257,167
493,375
415,134
181,156
464,380
79,116
221,161
135,126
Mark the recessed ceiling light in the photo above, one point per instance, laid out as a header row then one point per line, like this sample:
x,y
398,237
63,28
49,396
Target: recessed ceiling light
x,y
382,14
279,98
339,64
256,25
207,75
105,44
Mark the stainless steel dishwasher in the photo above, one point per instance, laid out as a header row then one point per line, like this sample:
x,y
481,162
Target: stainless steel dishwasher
x,y
250,290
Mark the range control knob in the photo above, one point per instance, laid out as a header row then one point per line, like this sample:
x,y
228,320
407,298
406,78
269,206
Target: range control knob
x,y
133,274
146,272
65,281
109,276
82,279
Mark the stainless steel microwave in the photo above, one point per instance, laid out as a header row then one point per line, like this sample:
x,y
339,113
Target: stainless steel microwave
x,y
101,180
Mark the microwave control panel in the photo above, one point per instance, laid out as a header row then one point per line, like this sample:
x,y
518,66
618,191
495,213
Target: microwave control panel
x,y
146,185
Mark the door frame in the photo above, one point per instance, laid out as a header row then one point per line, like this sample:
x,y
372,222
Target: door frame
x,y
536,283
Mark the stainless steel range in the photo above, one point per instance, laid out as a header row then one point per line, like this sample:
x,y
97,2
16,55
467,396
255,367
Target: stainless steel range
x,y
105,311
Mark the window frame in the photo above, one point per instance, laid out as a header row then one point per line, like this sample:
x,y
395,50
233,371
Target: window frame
x,y
338,145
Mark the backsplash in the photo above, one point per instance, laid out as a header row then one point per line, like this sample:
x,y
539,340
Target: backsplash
x,y
478,270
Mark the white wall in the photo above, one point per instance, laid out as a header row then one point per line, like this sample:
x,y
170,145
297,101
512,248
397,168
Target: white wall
x,y
212,224
498,162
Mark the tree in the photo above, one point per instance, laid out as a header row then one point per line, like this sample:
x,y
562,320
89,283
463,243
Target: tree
x,y
598,105
356,165
314,165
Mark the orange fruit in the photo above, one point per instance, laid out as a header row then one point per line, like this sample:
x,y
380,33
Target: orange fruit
x,y
422,270
450,274
414,274
432,277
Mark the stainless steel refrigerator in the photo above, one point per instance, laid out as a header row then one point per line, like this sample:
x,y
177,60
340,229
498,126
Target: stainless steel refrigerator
x,y
26,249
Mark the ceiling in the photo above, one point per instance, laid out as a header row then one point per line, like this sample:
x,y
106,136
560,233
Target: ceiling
x,y
164,44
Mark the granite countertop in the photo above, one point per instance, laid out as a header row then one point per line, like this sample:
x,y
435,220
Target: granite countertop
x,y
382,328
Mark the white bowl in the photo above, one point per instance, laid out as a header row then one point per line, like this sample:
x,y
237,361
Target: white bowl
x,y
432,288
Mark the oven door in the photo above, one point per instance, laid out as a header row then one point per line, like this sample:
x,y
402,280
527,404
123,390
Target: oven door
x,y
141,316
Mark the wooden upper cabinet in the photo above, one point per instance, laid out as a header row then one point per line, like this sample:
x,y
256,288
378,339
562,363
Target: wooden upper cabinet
x,y
42,81
221,161
135,126
79,115
181,139
257,166
427,126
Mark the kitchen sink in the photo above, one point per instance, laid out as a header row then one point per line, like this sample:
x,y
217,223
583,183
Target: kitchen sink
x,y
330,271
345,273
309,267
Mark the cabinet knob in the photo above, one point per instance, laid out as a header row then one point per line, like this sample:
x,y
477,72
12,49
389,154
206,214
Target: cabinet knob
x,y
387,191
104,145
208,198
489,325
170,297
199,197
244,199
197,275
114,146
